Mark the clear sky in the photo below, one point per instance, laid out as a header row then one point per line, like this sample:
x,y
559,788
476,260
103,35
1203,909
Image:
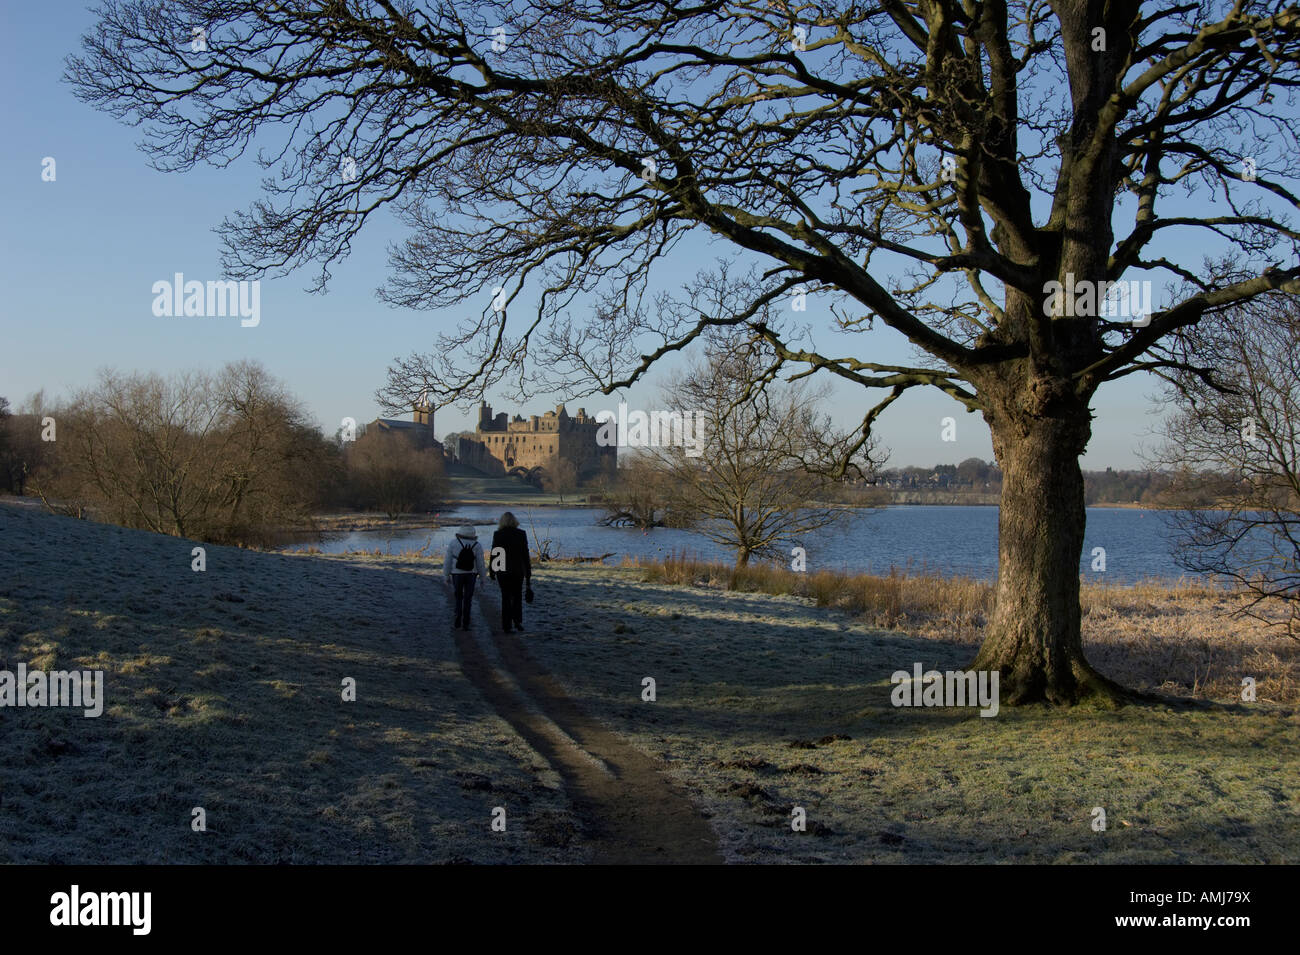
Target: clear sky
x,y
79,256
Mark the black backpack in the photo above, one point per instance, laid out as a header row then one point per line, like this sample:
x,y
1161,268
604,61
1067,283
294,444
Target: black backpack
x,y
465,559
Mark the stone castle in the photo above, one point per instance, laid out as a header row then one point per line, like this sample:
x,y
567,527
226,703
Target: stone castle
x,y
502,445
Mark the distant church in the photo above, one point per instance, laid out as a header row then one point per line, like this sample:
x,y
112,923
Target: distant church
x,y
500,445
419,430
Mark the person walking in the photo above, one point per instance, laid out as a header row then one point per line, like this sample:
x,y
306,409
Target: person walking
x,y
510,543
462,568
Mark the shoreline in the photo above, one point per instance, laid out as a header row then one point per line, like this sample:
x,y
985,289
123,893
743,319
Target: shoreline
x,y
362,520
343,522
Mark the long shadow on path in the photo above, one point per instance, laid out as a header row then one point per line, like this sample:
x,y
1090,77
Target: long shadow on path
x,y
631,812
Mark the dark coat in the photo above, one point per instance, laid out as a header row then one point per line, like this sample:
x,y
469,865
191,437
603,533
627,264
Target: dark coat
x,y
515,543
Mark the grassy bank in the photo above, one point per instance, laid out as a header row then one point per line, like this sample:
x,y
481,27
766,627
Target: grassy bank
x,y
1179,638
766,702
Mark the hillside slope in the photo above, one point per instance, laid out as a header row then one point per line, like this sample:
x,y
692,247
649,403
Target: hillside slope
x,y
224,692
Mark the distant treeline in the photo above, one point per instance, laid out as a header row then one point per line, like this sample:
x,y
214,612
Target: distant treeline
x,y
976,478
228,458
635,499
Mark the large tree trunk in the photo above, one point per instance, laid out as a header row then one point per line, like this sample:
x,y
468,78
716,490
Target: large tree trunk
x,y
1033,638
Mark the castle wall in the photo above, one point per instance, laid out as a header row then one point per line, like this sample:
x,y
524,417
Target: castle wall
x,y
590,458
500,444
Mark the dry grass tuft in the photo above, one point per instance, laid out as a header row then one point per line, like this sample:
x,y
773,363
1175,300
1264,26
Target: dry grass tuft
x,y
1184,637
1188,638
899,599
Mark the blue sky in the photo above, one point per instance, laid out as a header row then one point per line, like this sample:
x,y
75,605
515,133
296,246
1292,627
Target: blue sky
x,y
79,256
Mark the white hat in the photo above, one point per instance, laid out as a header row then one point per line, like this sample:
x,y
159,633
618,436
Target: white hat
x,y
467,531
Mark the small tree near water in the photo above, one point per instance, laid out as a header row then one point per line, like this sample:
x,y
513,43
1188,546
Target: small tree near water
x,y
769,457
1233,444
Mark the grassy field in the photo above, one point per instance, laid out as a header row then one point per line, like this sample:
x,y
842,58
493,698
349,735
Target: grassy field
x,y
223,692
769,702
468,486
1183,638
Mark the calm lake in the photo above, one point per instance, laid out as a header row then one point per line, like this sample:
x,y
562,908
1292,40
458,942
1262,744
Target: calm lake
x,y
950,540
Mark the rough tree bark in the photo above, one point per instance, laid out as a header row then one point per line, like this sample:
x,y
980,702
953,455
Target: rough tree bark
x,y
1033,637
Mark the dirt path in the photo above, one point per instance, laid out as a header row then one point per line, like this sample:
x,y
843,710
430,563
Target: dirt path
x,y
630,812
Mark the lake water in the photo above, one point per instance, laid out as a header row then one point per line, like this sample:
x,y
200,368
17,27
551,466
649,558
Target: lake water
x,y
950,540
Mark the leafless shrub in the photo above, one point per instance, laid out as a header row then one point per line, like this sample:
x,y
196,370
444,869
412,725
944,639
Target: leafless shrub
x,y
1234,445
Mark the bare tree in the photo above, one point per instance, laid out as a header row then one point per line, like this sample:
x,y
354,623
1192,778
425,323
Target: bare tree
x,y
134,447
975,472
272,459
951,169
227,458
6,477
22,451
756,471
559,476
638,495
392,473
11,467
1235,454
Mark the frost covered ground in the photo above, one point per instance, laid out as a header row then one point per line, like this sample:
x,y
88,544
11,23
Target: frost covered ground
x,y
224,692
